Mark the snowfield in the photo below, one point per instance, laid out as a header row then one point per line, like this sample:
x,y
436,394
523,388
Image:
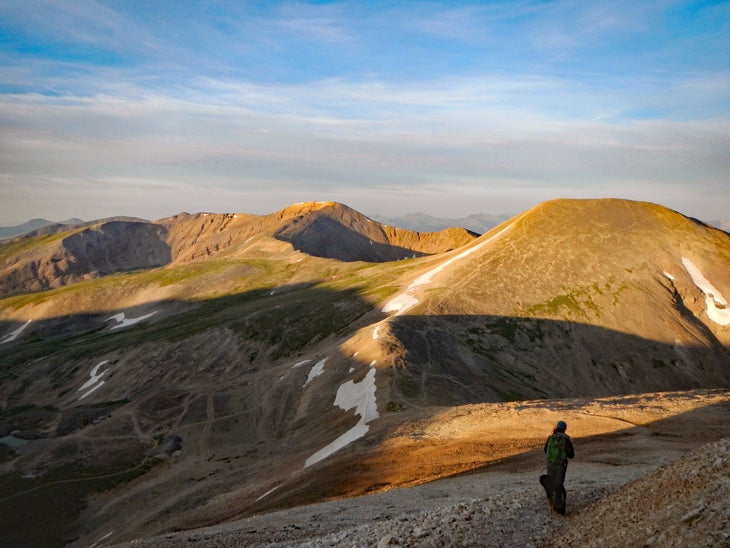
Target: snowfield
x,y
15,334
361,397
717,307
316,371
123,321
94,382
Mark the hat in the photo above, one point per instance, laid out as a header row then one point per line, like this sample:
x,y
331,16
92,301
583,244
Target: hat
x,y
561,426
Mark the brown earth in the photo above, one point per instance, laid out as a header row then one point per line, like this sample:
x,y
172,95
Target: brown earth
x,y
47,259
215,367
499,502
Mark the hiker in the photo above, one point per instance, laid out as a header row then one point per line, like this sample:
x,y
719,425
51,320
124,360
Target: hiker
x,y
558,449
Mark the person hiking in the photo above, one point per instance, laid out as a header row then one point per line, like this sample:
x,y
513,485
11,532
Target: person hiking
x,y
558,449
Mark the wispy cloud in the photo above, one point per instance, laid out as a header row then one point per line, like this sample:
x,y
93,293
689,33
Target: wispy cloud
x,y
448,102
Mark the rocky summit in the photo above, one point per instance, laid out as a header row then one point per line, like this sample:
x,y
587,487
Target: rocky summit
x,y
199,370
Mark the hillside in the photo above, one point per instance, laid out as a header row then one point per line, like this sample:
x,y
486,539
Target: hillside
x,y
573,298
622,485
321,229
56,256
261,367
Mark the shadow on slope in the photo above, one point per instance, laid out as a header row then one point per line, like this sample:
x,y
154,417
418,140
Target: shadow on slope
x,y
219,373
326,237
279,322
451,360
630,451
226,376
37,262
442,361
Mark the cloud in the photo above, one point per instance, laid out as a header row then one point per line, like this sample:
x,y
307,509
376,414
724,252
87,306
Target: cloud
x,y
444,103
463,142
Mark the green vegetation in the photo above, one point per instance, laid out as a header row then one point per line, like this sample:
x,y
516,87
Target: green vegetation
x,y
394,407
14,411
285,322
17,302
578,303
557,305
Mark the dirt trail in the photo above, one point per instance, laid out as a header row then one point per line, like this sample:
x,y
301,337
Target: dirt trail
x,y
503,503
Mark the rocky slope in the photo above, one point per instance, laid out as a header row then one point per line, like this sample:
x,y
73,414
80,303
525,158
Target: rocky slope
x,y
50,259
573,297
248,375
635,487
53,257
682,504
321,229
361,239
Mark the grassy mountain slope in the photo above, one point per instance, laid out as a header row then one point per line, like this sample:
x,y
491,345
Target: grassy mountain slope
x,y
50,259
572,298
252,341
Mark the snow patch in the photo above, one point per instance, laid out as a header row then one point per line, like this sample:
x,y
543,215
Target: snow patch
x,y
267,493
376,332
668,275
717,306
101,539
405,301
301,363
123,321
401,303
94,382
15,334
316,371
361,397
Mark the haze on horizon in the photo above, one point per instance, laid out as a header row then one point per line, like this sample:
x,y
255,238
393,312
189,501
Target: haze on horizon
x,y
449,108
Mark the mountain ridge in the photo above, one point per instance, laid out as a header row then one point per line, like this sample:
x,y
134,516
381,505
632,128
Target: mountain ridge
x,y
33,224
291,378
114,245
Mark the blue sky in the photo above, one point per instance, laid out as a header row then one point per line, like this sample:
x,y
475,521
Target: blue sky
x,y
151,108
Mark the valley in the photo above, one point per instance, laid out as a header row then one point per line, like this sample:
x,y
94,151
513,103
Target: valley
x,y
201,369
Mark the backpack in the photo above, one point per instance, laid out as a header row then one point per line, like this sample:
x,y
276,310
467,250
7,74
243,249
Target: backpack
x,y
556,449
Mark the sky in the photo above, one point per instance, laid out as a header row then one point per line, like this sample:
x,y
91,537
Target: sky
x,y
149,108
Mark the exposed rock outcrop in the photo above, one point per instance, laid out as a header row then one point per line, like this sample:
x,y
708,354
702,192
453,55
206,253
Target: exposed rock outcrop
x,y
34,263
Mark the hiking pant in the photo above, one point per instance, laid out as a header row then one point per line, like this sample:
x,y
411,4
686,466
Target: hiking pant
x,y
555,485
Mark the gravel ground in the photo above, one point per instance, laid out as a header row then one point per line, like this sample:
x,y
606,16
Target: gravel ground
x,y
658,483
492,508
683,503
